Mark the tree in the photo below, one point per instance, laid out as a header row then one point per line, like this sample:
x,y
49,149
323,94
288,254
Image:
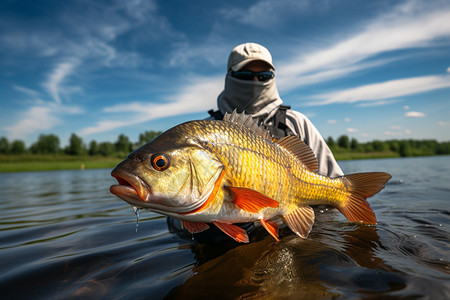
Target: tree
x,y
354,145
76,146
331,143
343,142
18,147
46,144
106,149
123,145
147,136
4,145
93,148
379,146
405,149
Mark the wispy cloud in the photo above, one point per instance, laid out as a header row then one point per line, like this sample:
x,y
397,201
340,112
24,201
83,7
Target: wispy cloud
x,y
195,96
39,117
384,90
56,78
411,25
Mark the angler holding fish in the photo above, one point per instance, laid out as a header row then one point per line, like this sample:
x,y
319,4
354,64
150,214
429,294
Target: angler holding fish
x,y
218,173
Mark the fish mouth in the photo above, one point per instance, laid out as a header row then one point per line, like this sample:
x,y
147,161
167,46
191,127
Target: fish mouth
x,y
130,188
133,190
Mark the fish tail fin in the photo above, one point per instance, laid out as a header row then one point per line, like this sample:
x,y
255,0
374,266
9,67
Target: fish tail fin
x,y
362,186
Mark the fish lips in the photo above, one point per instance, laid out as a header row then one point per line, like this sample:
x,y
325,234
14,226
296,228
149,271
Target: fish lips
x,y
131,188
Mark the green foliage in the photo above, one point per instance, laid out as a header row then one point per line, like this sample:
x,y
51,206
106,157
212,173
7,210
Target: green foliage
x,y
46,144
4,145
76,146
343,142
93,148
123,145
146,137
106,149
403,148
18,147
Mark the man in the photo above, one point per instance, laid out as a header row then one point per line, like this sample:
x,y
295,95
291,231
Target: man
x,y
250,86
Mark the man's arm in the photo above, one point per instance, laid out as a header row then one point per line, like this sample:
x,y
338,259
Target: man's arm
x,y
304,128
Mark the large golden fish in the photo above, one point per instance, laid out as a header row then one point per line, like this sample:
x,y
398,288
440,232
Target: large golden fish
x,y
231,171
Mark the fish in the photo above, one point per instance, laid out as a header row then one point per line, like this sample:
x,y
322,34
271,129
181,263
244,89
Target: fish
x,y
230,171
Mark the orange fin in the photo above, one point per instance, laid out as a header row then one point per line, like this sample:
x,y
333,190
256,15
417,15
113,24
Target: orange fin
x,y
233,231
195,227
300,220
251,200
271,227
361,186
301,150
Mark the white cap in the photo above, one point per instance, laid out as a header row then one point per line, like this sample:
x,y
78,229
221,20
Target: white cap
x,y
245,53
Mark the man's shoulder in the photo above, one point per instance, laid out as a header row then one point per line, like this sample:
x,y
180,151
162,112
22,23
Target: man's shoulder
x,y
293,114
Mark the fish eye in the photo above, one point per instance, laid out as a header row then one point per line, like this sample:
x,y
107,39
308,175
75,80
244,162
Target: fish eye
x,y
160,162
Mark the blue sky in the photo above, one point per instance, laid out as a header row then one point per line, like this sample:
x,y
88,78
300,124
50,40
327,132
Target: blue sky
x,y
368,69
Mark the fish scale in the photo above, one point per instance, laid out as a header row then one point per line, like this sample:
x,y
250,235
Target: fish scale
x,y
231,171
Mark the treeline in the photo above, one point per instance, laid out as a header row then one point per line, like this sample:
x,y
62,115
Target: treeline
x,y
50,144
404,148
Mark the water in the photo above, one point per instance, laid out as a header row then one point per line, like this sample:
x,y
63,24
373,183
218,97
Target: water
x,y
63,236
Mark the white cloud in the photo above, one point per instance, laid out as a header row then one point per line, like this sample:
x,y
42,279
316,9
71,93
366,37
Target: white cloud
x,y
444,123
39,117
347,120
414,114
56,77
332,121
384,90
196,96
413,25
377,103
352,130
448,70
406,107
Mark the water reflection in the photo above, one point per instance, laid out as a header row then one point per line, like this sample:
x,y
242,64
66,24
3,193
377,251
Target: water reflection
x,y
294,267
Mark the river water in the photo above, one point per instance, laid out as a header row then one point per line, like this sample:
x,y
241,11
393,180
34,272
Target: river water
x,y
64,236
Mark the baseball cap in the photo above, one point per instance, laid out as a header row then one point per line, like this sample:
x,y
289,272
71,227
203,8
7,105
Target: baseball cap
x,y
245,53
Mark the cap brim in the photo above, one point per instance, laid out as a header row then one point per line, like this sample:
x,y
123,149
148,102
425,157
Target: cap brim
x,y
239,66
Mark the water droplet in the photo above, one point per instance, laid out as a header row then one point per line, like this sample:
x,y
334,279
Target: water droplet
x,y
136,212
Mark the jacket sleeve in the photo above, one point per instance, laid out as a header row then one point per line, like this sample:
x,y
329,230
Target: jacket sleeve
x,y
307,132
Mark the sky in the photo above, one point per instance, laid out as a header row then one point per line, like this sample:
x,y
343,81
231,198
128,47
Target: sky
x,y
373,70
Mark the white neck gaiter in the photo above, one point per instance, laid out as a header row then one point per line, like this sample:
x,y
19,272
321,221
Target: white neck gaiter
x,y
260,99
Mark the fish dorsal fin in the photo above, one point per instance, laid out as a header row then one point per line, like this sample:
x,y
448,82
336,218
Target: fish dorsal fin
x,y
247,121
301,150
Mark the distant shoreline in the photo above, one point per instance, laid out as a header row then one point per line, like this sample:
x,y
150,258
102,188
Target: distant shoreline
x,y
29,163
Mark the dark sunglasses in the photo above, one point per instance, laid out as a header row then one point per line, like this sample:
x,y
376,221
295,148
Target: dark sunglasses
x,y
249,75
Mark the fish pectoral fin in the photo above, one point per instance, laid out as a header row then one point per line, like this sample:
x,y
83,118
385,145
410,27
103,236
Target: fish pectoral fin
x,y
300,220
251,200
233,231
271,227
195,227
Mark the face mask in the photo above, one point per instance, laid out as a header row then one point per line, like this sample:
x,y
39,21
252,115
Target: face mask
x,y
254,97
